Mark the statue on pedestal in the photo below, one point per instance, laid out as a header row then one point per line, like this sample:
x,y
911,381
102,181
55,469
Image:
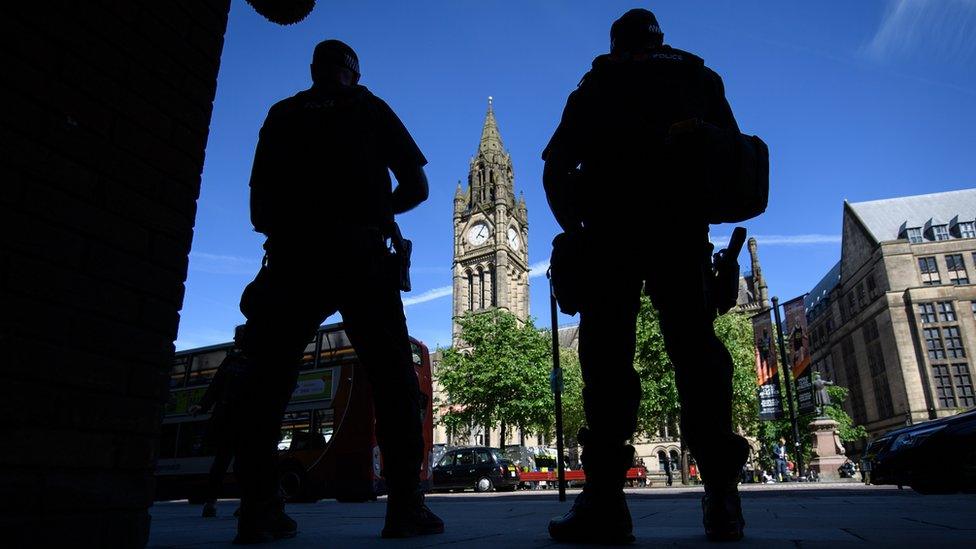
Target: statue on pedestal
x,y
820,395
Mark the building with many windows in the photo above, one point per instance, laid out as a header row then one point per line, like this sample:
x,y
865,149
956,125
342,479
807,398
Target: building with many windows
x,y
893,320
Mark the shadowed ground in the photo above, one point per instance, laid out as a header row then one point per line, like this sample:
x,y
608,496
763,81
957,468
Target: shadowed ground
x,y
817,515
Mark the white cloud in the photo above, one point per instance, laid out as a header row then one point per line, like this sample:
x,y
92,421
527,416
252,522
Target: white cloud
x,y
943,28
538,269
535,270
223,264
785,239
429,295
202,338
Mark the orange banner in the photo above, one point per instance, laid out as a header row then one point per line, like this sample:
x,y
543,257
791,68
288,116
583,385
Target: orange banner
x,y
770,399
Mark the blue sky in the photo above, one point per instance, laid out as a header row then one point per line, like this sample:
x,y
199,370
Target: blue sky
x,y
857,100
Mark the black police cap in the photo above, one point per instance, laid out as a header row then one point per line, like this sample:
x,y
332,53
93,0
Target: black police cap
x,y
634,29
335,52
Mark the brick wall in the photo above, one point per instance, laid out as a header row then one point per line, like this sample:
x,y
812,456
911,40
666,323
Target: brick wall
x,y
104,114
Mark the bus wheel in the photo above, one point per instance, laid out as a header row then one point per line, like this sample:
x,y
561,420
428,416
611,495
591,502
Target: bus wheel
x,y
483,485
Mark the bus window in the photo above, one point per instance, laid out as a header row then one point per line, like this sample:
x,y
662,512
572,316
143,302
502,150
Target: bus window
x,y
192,439
204,366
167,440
417,354
323,424
177,376
335,348
308,357
293,422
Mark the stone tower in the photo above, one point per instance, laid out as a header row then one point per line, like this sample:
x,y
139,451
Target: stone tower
x,y
491,267
758,281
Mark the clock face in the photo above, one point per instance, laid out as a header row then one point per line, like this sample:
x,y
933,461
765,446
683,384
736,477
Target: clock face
x,y
513,239
478,234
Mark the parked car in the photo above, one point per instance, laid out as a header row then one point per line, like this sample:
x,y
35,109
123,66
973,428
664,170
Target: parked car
x,y
479,468
934,457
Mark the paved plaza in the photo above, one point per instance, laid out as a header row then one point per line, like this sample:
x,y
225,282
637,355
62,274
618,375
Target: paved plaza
x,y
792,515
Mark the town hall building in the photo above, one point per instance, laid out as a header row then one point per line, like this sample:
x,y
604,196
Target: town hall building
x,y
491,256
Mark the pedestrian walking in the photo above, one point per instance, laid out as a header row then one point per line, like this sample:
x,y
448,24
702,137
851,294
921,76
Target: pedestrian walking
x,y
322,195
219,430
782,469
608,179
668,469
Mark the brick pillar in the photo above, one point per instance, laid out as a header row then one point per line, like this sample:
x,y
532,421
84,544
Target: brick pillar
x,y
105,114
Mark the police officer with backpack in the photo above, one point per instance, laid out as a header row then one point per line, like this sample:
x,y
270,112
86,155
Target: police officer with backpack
x,y
636,220
321,192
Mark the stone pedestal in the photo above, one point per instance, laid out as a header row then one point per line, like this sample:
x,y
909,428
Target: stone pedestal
x,y
828,452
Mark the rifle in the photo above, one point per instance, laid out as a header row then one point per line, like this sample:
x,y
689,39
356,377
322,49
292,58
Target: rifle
x,y
725,273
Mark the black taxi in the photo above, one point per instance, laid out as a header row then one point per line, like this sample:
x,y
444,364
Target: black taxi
x,y
480,468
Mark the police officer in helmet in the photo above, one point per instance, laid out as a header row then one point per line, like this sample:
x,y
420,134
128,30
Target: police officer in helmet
x,y
609,181
321,192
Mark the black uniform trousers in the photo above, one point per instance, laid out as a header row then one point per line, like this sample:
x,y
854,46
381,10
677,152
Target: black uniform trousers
x,y
299,287
673,275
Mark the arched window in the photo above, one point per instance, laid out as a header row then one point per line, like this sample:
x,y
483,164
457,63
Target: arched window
x,y
470,291
481,287
675,460
662,461
494,285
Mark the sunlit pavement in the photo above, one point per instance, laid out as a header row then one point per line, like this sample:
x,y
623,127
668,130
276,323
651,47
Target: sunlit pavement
x,y
790,515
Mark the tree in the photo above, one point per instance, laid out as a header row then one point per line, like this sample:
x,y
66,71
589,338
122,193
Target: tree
x,y
846,430
735,331
770,431
659,405
573,415
500,375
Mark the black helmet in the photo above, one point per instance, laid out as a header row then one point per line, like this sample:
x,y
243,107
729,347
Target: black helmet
x,y
337,53
634,30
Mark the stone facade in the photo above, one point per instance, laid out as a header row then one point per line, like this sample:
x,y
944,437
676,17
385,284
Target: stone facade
x,y
106,115
491,256
894,320
753,293
491,229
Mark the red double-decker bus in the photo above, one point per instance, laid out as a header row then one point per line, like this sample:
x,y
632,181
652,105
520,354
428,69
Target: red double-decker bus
x,y
328,444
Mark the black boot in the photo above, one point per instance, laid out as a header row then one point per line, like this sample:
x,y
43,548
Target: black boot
x,y
407,515
722,512
600,513
264,523
595,518
209,509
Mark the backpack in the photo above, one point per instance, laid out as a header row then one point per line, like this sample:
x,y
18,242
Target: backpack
x,y
729,169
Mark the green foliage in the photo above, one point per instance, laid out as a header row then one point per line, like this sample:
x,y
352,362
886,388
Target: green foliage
x,y
659,405
735,331
847,431
771,431
500,376
573,416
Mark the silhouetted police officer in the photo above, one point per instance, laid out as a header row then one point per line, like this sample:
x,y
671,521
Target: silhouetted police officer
x,y
219,432
321,192
608,180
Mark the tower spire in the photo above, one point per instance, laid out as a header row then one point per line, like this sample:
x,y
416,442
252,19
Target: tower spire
x,y
762,292
491,139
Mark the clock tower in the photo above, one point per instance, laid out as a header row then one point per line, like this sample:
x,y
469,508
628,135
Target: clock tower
x,y
491,257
